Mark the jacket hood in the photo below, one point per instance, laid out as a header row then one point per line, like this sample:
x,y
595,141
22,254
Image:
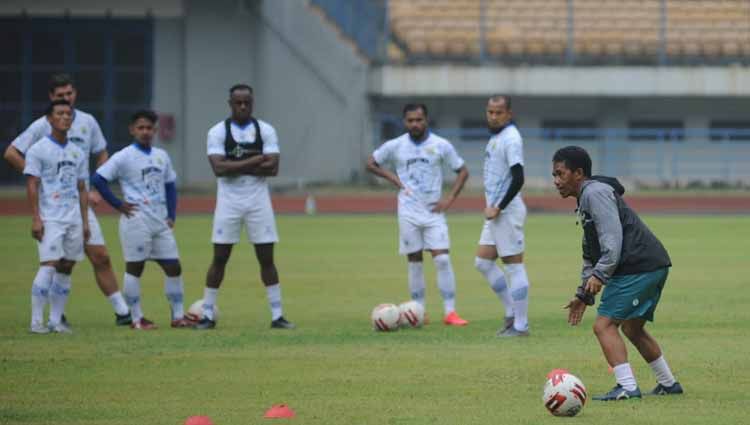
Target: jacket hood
x,y
612,181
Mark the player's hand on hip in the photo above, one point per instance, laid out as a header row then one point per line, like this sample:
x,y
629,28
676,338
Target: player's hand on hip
x,y
94,198
37,229
86,233
442,205
576,308
490,213
170,223
128,209
593,285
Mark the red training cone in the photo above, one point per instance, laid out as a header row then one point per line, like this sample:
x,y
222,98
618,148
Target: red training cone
x,y
198,420
279,411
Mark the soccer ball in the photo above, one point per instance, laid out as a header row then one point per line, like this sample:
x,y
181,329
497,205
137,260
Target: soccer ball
x,y
412,314
195,312
386,317
564,394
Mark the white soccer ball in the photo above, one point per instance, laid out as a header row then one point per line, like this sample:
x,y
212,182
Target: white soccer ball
x,y
564,394
195,312
386,317
412,314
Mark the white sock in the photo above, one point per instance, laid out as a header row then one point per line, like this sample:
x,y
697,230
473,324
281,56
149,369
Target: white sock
x,y
209,301
173,288
58,297
625,377
118,303
40,293
274,300
446,281
416,281
131,289
663,373
519,292
496,280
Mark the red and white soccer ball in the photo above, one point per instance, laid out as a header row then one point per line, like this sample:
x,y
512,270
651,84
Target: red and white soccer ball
x,y
386,317
195,312
412,314
564,394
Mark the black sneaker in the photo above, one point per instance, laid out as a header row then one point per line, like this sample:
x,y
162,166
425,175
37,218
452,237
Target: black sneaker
x,y
660,389
282,323
205,323
64,320
123,320
618,393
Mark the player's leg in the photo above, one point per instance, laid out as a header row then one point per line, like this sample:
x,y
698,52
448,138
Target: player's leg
x,y
507,231
410,244
485,263
96,251
214,277
174,289
607,333
40,295
270,277
651,352
446,281
135,239
131,288
59,293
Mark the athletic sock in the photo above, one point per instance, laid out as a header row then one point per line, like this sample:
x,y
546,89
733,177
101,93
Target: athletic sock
x,y
519,292
273,292
446,281
625,377
173,289
209,301
496,279
118,303
663,373
416,281
58,296
40,293
131,289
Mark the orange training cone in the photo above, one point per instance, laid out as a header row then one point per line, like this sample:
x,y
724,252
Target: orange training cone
x,y
279,411
198,420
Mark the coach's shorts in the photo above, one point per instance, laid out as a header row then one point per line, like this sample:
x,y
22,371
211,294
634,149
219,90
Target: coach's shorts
x,y
506,231
257,218
61,240
418,234
633,296
143,239
97,237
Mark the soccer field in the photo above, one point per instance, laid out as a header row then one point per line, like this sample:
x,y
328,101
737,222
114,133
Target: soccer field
x,y
334,369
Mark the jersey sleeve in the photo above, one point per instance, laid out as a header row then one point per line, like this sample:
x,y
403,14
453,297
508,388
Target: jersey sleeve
x,y
384,152
110,170
37,130
215,141
98,142
170,176
270,140
451,157
514,150
33,164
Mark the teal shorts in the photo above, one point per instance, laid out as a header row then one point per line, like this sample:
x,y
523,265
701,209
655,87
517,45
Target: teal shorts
x,y
633,296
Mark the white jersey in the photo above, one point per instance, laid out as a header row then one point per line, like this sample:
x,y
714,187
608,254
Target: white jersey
x,y
60,167
420,169
142,174
243,188
84,132
503,151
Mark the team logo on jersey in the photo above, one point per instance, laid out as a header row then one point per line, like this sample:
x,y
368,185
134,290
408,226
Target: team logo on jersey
x,y
83,130
243,149
430,151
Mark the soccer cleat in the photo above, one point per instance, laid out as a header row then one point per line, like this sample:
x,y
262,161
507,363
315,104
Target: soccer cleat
x,y
60,328
507,324
618,393
64,320
123,320
453,319
38,328
660,389
511,332
182,323
143,325
282,323
205,323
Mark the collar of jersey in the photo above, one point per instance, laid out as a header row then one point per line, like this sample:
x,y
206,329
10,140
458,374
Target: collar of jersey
x,y
145,150
53,140
510,123
427,135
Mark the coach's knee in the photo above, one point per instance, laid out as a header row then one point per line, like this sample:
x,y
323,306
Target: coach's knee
x,y
632,330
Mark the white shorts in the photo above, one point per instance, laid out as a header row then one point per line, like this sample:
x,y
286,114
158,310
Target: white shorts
x,y
97,237
506,231
258,219
61,240
143,240
415,235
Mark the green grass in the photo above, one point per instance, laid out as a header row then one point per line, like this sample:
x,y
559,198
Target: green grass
x,y
335,370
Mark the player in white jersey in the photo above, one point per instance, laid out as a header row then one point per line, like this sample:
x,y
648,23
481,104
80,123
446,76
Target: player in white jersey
x,y
505,213
86,135
243,151
56,176
418,157
148,212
